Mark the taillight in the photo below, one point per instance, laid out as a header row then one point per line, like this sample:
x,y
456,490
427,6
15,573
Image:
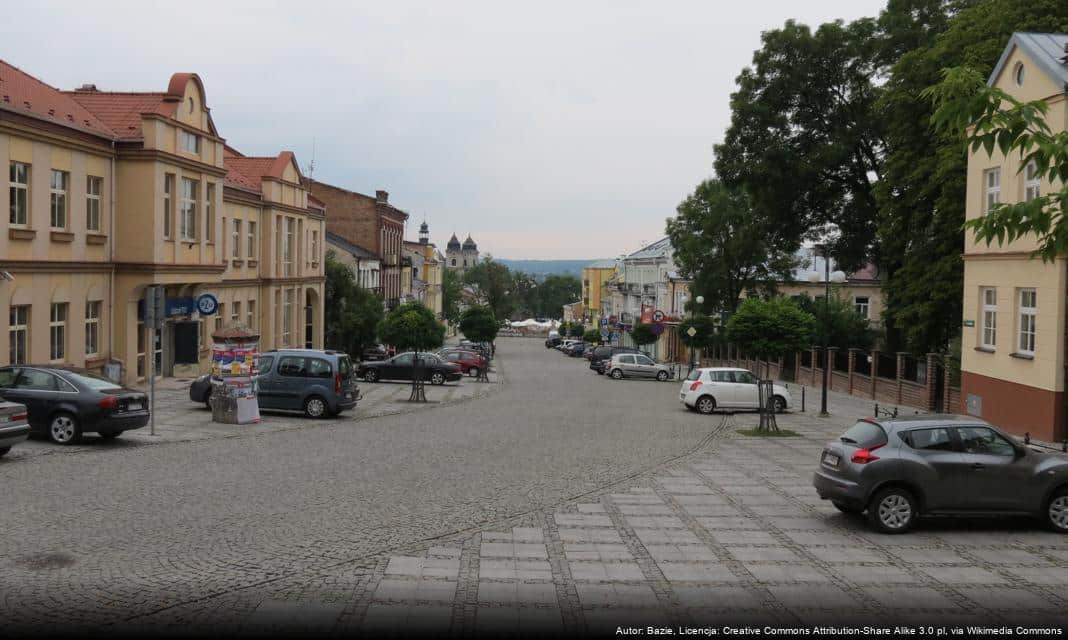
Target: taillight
x,y
337,382
694,386
20,416
108,402
864,456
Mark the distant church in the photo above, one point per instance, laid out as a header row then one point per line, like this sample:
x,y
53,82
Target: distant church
x,y
461,257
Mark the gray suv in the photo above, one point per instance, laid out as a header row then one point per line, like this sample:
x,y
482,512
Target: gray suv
x,y
899,469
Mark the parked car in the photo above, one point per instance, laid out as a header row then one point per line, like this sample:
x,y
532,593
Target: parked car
x,y
903,468
552,341
65,402
402,367
602,354
14,425
636,365
711,388
374,353
319,383
470,363
575,349
482,348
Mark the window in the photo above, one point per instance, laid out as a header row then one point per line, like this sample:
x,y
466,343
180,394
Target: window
x,y
57,330
209,212
287,248
864,434
315,246
220,314
264,363
992,180
251,253
251,314
168,205
292,366
187,219
744,377
643,360
626,359
989,334
92,327
19,176
454,262
93,187
18,334
1019,73
287,317
235,312
860,303
984,441
140,349
190,141
236,235
1032,181
1028,309
318,368
36,380
58,199
929,439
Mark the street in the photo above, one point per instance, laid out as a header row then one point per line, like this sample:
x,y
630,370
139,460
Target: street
x,y
559,499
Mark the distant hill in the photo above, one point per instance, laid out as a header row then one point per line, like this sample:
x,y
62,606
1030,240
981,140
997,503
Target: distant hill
x,y
547,267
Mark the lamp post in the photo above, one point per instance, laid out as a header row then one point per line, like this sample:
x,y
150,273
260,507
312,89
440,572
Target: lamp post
x,y
828,277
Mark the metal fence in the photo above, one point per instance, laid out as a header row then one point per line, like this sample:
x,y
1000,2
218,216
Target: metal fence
x,y
886,367
862,363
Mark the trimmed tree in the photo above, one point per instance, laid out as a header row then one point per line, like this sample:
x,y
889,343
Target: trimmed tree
x,y
642,334
592,336
575,330
479,325
412,327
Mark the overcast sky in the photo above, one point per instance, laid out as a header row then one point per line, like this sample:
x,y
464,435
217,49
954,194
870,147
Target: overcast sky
x,y
546,130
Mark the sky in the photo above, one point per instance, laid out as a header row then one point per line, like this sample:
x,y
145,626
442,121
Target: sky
x,y
546,130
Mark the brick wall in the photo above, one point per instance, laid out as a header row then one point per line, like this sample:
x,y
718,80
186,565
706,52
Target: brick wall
x,y
353,216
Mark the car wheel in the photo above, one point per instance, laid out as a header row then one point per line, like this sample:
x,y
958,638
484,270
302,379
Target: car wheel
x,y
207,399
370,375
109,435
617,374
778,404
437,378
315,407
706,404
1057,511
4,450
64,429
662,376
845,508
892,510
473,372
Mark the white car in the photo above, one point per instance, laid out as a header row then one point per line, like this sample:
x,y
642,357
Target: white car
x,y
712,388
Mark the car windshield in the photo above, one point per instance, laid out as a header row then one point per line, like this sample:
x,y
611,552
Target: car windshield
x,y
864,434
92,381
694,375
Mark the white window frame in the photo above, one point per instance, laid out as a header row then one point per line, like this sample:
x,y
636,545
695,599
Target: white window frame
x,y
251,240
988,317
220,315
209,212
236,235
287,316
251,311
315,246
866,306
57,331
187,215
1032,181
19,324
1027,315
235,312
991,189
190,142
92,327
169,181
58,188
94,186
288,228
19,216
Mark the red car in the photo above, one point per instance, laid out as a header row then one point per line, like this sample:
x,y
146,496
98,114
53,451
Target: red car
x,y
469,361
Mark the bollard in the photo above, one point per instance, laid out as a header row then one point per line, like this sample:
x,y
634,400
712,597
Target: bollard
x,y
876,412
802,399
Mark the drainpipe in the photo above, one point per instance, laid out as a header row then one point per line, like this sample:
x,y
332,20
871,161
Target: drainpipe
x,y
111,259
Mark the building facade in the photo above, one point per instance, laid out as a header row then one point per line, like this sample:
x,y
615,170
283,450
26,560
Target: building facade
x,y
595,279
461,257
370,222
109,193
365,264
1014,320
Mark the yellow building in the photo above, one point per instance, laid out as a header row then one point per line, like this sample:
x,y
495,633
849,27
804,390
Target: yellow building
x,y
594,287
109,193
1013,358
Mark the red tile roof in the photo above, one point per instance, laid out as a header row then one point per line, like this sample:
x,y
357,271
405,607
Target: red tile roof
x,y
22,93
122,111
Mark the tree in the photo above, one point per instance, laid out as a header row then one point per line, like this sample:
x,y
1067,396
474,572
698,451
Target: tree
x,y
642,334
554,292
592,336
452,288
707,332
576,329
493,281
726,247
563,329
839,320
353,314
412,327
769,329
478,324
921,194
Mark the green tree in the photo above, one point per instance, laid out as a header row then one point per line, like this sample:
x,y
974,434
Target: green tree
x,y
411,327
771,328
642,334
726,247
353,314
922,192
478,324
707,332
493,281
839,320
592,336
452,287
554,292
576,329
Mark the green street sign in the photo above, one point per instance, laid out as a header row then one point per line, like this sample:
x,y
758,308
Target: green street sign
x,y
969,323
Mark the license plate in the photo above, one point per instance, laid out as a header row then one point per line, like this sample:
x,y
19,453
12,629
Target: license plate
x,y
134,406
830,459
348,396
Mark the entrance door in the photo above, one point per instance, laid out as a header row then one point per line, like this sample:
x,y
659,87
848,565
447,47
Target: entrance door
x,y
186,342
309,328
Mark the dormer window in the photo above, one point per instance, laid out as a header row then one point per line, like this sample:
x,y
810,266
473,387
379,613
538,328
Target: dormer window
x,y
191,104
190,142
1018,73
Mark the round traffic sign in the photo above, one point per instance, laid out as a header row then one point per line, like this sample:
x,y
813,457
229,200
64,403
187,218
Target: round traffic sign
x,y
207,304
658,316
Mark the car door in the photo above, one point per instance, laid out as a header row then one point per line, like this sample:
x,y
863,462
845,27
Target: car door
x,y
400,367
644,366
266,383
932,460
745,390
992,475
291,378
626,365
39,391
722,383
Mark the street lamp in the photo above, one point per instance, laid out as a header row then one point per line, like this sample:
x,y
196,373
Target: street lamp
x,y
828,277
693,313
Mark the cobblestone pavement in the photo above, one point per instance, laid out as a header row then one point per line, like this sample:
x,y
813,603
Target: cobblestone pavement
x,y
566,501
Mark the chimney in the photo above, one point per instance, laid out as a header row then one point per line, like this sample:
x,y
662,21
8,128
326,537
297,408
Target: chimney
x,y
382,196
85,88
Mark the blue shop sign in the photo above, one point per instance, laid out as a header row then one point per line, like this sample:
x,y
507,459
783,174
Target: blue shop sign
x,y
180,306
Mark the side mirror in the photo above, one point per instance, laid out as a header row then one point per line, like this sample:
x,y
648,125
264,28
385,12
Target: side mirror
x,y
1021,451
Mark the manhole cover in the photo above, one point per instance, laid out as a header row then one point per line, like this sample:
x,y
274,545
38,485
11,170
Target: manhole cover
x,y
45,561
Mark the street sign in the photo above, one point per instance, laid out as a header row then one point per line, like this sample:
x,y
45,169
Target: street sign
x,y
691,332
969,323
207,304
605,333
180,306
604,322
155,297
658,316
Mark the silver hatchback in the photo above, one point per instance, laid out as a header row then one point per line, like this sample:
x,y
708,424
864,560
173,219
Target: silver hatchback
x,y
637,365
899,469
